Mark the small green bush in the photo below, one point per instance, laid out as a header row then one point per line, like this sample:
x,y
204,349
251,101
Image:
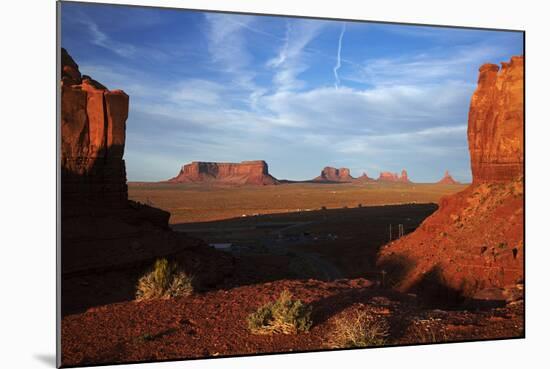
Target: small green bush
x,y
164,280
358,329
285,315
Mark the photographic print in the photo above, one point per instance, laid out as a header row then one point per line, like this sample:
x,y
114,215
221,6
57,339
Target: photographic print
x,y
241,184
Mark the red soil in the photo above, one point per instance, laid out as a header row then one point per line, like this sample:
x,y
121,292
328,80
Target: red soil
x,y
474,241
214,323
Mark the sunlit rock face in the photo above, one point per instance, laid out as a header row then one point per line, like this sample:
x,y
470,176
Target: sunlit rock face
x,y
475,240
495,123
247,172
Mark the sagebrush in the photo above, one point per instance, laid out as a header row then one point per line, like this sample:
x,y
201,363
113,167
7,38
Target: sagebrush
x,y
358,329
164,280
285,315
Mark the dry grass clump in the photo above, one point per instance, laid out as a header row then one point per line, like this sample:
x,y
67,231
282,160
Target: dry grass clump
x,y
284,315
358,329
427,331
164,280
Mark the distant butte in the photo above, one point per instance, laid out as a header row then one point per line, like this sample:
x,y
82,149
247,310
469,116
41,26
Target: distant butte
x,y
447,179
364,178
330,174
243,173
394,177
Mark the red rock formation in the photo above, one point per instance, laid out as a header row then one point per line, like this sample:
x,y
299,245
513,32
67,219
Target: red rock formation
x,y
388,177
475,240
495,123
364,178
93,132
100,228
246,172
330,174
404,176
447,179
394,177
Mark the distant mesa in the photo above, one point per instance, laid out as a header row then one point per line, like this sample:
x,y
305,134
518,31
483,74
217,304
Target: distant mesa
x,y
447,179
394,177
243,173
330,174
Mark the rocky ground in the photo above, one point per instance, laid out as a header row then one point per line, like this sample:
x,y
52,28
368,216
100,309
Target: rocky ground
x,y
214,323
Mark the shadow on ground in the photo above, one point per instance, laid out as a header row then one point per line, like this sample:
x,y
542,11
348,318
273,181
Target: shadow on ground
x,y
322,244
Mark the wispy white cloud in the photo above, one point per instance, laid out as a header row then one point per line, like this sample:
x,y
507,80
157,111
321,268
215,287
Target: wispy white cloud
x,y
226,43
197,91
290,61
228,49
339,56
101,39
424,67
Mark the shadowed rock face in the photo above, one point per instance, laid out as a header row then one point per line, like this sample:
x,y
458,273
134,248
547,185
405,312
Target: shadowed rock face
x,y
495,123
246,172
447,179
101,229
475,239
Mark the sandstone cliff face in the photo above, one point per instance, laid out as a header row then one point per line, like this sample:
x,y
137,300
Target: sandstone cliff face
x,y
330,174
244,173
447,179
93,132
495,123
394,177
475,240
101,230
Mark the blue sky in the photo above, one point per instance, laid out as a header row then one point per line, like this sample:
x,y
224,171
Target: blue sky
x,y
299,93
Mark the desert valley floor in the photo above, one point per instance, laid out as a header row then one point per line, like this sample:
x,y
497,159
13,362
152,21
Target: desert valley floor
x,y
319,241
303,230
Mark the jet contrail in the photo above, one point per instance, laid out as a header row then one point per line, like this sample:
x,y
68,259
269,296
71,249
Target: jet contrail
x,y
337,66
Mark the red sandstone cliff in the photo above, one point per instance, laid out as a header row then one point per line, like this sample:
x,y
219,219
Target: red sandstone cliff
x,y
330,174
93,132
394,177
101,229
475,240
247,172
495,123
447,179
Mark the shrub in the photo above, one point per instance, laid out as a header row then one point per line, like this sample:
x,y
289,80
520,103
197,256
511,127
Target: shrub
x,y
284,315
427,332
164,280
358,329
